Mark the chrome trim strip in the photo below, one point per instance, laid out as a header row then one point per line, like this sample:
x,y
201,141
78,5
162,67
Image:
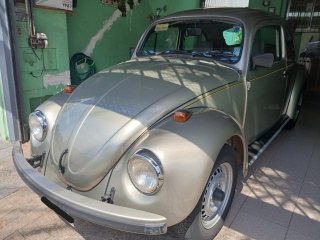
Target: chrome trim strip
x,y
154,161
109,215
43,122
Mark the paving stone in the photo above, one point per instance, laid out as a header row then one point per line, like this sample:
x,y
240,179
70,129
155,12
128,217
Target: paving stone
x,y
293,235
308,203
231,234
5,207
4,144
257,228
305,226
315,160
26,201
312,178
5,153
10,182
36,230
306,217
15,236
16,220
6,163
233,212
270,189
279,213
239,198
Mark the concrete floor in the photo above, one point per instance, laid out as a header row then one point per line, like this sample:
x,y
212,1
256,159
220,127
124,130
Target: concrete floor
x,y
280,199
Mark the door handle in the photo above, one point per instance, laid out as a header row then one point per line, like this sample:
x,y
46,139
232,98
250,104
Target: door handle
x,y
285,73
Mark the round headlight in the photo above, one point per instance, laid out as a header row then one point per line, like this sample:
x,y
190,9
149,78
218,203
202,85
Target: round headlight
x,y
145,172
38,125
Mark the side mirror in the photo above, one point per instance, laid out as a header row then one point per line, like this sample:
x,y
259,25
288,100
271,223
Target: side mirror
x,y
263,60
131,51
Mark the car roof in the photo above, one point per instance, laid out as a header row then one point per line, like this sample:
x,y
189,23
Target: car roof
x,y
247,16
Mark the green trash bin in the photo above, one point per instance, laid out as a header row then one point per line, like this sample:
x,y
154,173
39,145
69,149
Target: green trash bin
x,y
81,67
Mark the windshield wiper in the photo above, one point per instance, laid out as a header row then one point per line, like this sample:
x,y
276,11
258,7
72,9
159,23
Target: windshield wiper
x,y
218,54
171,52
197,53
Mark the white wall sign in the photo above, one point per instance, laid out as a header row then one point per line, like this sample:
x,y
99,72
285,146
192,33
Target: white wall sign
x,y
57,4
225,3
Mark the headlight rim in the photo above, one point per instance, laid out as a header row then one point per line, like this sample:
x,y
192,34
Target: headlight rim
x,y
43,123
154,161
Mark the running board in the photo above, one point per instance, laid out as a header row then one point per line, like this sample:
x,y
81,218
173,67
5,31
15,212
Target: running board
x,y
256,148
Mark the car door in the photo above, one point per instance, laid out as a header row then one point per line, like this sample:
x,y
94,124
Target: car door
x,y
267,81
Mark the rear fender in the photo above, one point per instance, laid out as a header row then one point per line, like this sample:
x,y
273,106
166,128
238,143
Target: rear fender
x,y
187,152
297,89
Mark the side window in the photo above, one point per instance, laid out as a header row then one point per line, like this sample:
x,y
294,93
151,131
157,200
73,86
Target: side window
x,y
267,41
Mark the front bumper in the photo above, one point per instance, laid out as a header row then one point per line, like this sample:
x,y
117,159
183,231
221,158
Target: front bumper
x,y
105,214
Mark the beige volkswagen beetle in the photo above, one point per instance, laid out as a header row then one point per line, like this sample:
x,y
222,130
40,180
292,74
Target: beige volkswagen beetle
x,y
158,140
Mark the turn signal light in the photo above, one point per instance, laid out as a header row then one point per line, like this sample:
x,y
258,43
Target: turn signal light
x,y
181,116
69,89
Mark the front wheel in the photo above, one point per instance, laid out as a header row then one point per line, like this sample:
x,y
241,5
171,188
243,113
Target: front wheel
x,y
216,199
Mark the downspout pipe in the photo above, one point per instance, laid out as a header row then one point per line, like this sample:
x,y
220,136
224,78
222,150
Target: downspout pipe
x,y
32,30
36,40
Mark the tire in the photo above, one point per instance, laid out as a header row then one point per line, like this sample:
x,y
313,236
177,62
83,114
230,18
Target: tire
x,y
292,122
204,222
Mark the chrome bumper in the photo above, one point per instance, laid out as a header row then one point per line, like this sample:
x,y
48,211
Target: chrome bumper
x,y
105,214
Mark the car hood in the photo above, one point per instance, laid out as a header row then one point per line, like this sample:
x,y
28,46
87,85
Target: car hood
x,y
110,110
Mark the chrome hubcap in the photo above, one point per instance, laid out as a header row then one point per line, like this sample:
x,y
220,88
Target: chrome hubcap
x,y
216,195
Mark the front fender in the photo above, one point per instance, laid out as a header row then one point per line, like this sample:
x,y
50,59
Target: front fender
x,y
297,89
187,152
50,109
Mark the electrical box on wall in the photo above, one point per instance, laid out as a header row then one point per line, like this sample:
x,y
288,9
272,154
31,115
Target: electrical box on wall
x,y
56,4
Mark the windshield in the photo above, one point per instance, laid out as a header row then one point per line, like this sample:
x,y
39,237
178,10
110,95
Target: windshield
x,y
216,40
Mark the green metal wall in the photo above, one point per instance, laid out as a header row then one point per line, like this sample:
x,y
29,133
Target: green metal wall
x,y
4,134
43,72
91,18
118,33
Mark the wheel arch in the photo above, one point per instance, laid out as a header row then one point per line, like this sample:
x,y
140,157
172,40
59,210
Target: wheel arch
x,y
210,130
298,87
50,108
239,145
186,151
